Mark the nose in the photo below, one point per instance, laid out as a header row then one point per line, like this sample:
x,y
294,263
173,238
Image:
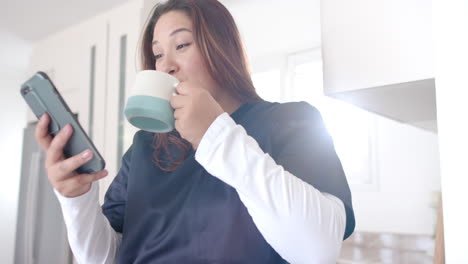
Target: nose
x,y
168,65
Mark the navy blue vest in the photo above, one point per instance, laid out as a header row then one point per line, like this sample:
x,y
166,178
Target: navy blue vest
x,y
190,216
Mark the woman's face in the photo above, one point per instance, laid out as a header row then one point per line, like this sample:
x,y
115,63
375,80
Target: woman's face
x,y
177,53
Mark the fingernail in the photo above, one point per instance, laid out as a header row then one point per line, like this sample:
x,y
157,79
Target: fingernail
x,y
105,173
42,117
68,128
86,154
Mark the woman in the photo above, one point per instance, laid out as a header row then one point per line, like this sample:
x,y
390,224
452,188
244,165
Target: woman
x,y
240,180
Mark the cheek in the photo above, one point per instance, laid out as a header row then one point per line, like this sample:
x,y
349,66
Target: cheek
x,y
196,70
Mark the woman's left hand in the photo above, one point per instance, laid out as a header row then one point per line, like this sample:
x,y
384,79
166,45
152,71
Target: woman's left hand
x,y
195,110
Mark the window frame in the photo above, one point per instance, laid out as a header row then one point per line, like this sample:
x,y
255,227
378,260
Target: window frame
x,y
286,65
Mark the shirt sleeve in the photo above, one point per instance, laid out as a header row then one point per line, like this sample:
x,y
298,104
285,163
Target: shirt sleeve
x,y
302,223
303,146
91,238
94,232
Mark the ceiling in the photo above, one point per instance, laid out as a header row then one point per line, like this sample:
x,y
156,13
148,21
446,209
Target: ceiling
x,y
32,20
291,26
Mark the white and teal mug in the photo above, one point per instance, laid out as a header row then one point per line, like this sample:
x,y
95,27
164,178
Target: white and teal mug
x,y
148,106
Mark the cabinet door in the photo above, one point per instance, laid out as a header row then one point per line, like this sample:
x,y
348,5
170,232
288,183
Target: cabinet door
x,y
75,61
93,65
94,48
123,33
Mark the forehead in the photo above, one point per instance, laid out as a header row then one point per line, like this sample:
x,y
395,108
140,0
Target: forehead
x,y
169,22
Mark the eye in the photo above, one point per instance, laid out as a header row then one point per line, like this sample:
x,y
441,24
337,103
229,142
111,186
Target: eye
x,y
183,45
157,56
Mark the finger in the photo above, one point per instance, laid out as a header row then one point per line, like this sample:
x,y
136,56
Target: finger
x,y
41,133
83,179
182,89
73,163
178,113
73,184
55,151
178,101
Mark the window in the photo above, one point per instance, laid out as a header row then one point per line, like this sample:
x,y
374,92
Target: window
x,y
353,129
268,84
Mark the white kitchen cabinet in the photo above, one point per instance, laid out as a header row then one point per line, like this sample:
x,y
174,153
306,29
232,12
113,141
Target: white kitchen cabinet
x,y
378,55
124,34
93,64
65,57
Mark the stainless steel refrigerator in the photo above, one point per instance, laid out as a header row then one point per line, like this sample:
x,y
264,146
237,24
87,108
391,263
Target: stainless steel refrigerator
x,y
40,232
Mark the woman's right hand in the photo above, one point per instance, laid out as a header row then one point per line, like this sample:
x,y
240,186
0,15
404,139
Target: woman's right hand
x,y
61,171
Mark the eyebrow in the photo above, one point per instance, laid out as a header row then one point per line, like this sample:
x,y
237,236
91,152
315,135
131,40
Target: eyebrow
x,y
173,33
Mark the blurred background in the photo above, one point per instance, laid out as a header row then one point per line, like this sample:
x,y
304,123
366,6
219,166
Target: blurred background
x,y
367,65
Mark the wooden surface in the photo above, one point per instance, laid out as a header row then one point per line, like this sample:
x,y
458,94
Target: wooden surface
x,y
439,255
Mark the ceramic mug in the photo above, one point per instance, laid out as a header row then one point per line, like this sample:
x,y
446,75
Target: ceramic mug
x,y
148,106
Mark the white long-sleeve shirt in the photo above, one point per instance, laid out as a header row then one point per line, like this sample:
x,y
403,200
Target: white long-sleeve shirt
x,y
301,223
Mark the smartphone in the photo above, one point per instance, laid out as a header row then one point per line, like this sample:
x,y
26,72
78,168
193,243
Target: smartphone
x,y
42,97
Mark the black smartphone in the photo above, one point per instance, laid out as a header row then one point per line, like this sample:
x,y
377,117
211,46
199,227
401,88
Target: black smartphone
x,y
42,97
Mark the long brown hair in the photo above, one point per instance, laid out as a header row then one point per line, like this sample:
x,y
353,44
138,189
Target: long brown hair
x,y
219,41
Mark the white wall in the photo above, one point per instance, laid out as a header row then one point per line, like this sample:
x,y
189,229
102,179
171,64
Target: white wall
x,y
408,182
371,43
269,27
451,25
14,56
402,197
